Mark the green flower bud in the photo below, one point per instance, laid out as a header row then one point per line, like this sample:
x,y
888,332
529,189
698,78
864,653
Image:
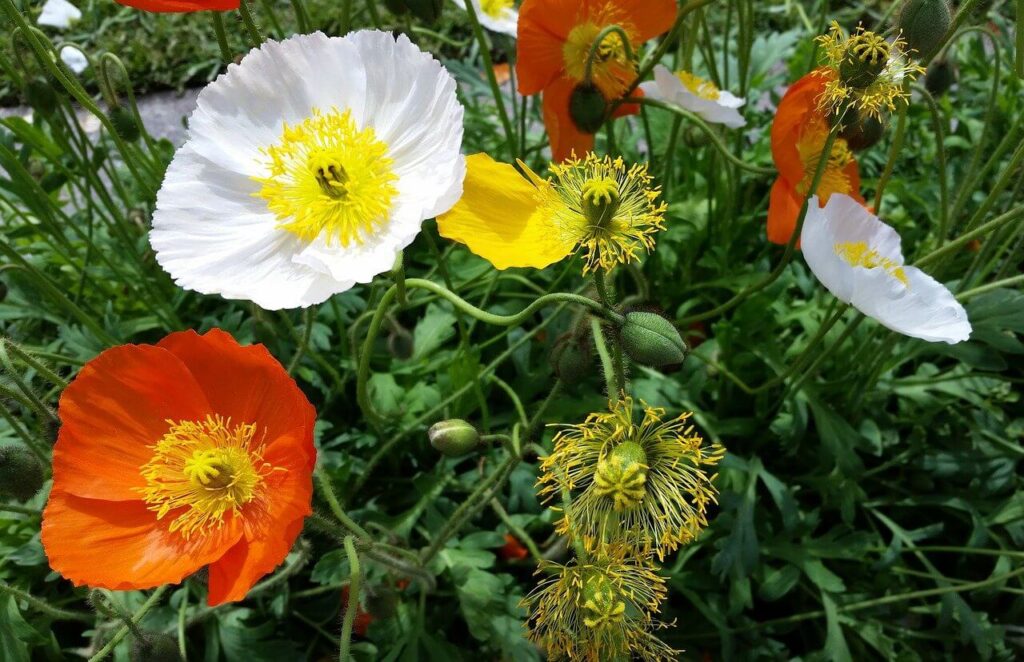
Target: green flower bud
x,y
587,107
924,24
40,95
125,124
650,339
695,138
940,77
867,54
453,437
425,10
155,647
571,358
21,475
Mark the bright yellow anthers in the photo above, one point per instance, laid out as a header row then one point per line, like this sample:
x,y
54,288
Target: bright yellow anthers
x,y
859,254
596,206
643,481
326,175
598,609
865,72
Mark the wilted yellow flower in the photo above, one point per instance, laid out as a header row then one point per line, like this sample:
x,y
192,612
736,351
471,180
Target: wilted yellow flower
x,y
643,481
865,71
598,609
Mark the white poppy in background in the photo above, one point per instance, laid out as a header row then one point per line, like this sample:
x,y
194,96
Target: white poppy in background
x,y
74,59
696,95
58,14
308,168
857,257
497,15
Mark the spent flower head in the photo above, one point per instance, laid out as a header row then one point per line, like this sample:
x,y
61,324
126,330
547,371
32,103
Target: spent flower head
x,y
643,480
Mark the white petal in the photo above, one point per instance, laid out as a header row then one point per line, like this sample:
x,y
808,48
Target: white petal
x,y
74,59
58,14
506,23
717,111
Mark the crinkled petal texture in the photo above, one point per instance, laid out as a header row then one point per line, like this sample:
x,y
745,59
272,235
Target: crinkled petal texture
x,y
99,531
214,234
667,87
506,22
58,14
180,6
901,298
500,217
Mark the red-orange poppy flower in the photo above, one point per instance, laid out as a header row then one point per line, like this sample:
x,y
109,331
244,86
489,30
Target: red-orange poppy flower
x,y
179,6
512,550
555,38
192,452
799,133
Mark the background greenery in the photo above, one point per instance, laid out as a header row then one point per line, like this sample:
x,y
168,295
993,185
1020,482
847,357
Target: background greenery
x,y
872,500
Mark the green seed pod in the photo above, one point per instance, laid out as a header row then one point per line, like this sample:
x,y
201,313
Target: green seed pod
x,y
603,605
587,107
425,10
622,476
940,77
125,124
40,95
650,339
867,54
453,437
155,647
924,24
571,358
859,130
21,475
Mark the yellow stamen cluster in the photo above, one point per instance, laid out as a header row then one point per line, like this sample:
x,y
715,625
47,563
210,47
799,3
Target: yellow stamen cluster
x,y
834,178
874,94
597,609
329,178
495,8
705,89
201,471
859,254
607,210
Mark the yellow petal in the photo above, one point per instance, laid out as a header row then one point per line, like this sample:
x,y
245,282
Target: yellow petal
x,y
500,218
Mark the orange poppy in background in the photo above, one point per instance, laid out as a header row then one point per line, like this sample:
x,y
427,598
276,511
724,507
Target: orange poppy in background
x,y
799,133
180,5
192,452
555,38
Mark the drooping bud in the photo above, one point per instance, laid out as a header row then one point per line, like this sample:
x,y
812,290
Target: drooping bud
x,y
40,95
155,647
867,54
602,604
650,339
924,24
124,123
622,475
453,437
940,77
21,474
860,130
571,358
587,107
425,10
601,200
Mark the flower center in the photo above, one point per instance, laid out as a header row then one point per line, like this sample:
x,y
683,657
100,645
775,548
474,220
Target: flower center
x,y
495,8
834,179
602,606
600,200
200,470
611,69
705,89
622,476
329,177
859,254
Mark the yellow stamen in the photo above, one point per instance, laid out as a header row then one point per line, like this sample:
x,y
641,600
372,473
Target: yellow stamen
x,y
834,179
705,89
611,71
329,177
859,254
495,8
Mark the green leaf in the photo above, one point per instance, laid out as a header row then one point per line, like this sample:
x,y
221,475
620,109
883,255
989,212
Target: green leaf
x,y
432,331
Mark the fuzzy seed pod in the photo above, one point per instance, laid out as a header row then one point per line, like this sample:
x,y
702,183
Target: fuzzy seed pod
x,y
40,95
650,339
924,24
571,359
587,107
125,124
21,475
940,77
155,647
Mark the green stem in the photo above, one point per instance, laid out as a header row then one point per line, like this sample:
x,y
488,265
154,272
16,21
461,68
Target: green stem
x,y
222,37
255,36
1006,282
940,150
308,316
492,80
516,530
606,359
894,152
44,607
302,18
125,629
665,43
355,577
967,237
595,46
327,491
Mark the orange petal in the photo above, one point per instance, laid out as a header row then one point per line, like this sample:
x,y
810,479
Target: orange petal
x,y
783,212
629,108
113,411
121,546
565,137
543,28
244,383
797,110
646,18
181,5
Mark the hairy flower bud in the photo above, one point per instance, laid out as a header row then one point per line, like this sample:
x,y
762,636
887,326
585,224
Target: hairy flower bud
x,y
924,24
453,437
396,7
21,475
650,339
940,77
587,107
124,123
859,129
155,647
571,358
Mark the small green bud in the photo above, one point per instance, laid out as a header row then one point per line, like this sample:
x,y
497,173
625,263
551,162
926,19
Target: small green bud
x,y
650,339
858,129
571,358
587,107
940,77
40,95
425,10
924,24
155,647
125,124
21,475
453,437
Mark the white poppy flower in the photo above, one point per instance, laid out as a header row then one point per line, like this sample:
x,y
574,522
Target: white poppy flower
x,y
857,257
58,14
496,15
697,95
308,168
74,59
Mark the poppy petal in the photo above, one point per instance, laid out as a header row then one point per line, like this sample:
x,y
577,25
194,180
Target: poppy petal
x,y
178,6
647,18
544,26
797,110
783,212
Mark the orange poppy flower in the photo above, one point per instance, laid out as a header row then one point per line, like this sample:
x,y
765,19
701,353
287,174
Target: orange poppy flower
x,y
512,550
799,132
180,5
192,452
555,37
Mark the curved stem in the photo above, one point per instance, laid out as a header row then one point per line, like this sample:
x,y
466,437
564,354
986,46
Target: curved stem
x,y
134,620
595,46
663,46
222,37
44,607
894,152
940,149
355,577
965,238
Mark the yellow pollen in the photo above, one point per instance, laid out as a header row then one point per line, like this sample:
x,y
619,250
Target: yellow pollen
x,y
859,254
328,177
601,191
495,8
705,89
868,47
201,470
611,70
834,179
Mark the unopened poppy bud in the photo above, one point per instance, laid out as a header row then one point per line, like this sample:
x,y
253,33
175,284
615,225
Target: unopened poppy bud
x,y
425,10
40,95
867,54
859,129
695,138
453,437
21,474
155,647
125,124
587,107
940,77
924,24
571,359
650,339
